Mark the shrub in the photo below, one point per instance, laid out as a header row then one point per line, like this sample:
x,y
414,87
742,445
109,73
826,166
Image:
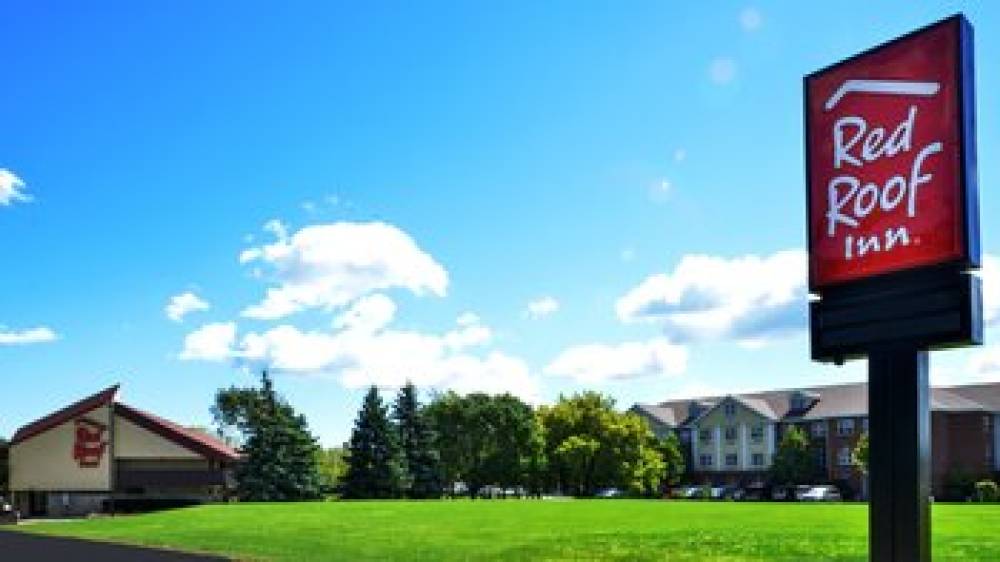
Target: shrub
x,y
987,491
958,486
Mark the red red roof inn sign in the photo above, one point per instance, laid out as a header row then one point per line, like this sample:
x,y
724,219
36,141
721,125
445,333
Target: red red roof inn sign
x,y
891,163
893,227
886,159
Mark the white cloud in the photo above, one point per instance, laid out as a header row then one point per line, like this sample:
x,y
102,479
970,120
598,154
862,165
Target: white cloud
x,y
627,254
183,304
945,376
277,228
597,363
368,315
722,70
660,190
984,364
328,266
990,274
680,155
696,389
41,334
467,318
750,299
211,342
11,188
751,19
361,350
542,307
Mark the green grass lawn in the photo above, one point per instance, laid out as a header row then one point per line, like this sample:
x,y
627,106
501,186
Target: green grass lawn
x,y
533,530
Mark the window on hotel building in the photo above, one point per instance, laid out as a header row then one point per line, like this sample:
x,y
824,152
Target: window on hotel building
x,y
731,434
819,429
732,460
844,456
705,435
757,459
845,427
705,460
730,409
864,425
798,402
757,433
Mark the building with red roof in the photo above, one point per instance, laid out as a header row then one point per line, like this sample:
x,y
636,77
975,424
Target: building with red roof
x,y
99,453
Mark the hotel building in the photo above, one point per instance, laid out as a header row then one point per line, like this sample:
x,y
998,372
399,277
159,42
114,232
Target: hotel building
x,y
732,439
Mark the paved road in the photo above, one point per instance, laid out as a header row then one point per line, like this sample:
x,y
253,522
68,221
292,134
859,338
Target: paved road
x,y
18,547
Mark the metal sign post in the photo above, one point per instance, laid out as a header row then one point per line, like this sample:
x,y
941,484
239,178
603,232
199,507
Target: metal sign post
x,y
893,226
899,441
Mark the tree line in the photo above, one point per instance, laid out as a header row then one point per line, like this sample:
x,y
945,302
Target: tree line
x,y
476,444
485,445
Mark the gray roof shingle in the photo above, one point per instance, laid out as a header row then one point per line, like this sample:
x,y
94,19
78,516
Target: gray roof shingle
x,y
834,401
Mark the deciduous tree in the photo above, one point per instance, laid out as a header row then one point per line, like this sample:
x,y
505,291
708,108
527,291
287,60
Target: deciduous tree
x,y
674,466
794,461
4,468
860,454
590,445
487,440
332,465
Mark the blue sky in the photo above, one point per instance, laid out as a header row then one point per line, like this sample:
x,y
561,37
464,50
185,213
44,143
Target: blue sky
x,y
364,194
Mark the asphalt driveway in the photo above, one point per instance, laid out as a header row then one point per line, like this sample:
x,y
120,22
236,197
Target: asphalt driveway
x,y
18,547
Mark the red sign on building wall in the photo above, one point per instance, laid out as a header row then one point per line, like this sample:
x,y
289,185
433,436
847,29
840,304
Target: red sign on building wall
x,y
886,133
89,444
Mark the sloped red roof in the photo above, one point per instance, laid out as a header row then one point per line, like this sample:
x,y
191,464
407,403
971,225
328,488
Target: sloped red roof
x,y
64,415
197,441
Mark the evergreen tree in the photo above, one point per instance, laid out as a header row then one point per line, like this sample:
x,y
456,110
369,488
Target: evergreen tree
x,y
279,452
416,441
374,466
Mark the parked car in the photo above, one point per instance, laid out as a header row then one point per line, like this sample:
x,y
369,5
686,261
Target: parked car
x,y
753,492
726,492
821,494
680,492
7,512
801,490
722,492
609,493
689,492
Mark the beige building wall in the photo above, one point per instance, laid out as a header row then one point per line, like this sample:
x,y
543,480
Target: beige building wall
x,y
45,461
743,446
134,442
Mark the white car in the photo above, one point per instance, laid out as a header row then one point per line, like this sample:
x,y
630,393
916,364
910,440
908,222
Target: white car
x,y
609,493
7,512
821,494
